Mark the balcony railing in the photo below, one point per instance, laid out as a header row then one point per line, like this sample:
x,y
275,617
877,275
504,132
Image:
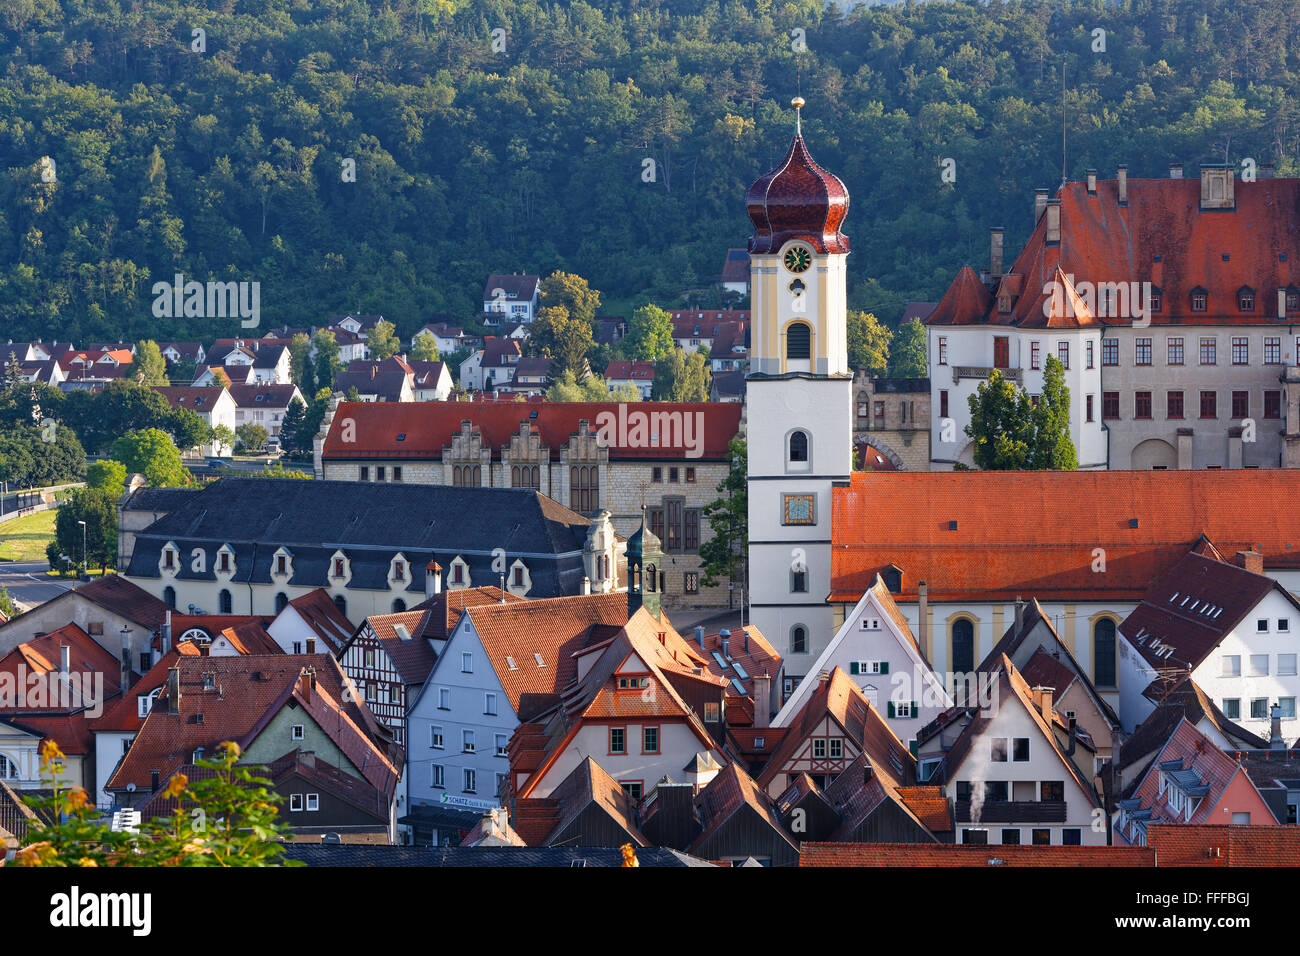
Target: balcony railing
x,y
960,372
1014,811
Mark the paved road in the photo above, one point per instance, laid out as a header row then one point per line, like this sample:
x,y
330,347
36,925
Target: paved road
x,y
28,584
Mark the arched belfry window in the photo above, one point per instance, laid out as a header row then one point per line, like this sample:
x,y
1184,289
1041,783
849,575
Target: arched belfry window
x,y
798,341
798,446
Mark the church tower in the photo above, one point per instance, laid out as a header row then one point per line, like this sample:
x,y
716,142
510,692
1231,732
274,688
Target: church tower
x,y
798,398
644,558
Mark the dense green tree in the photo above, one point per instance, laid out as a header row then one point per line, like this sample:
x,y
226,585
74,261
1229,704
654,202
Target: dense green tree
x,y
559,335
108,476
649,335
424,348
292,425
1001,425
150,452
572,293
252,437
1053,449
99,512
188,429
869,342
40,457
327,358
301,371
907,351
382,341
682,377
150,367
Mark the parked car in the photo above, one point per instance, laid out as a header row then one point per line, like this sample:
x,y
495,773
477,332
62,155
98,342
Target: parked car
x,y
215,463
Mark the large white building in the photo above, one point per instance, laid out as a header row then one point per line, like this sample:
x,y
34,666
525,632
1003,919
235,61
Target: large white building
x,y
799,398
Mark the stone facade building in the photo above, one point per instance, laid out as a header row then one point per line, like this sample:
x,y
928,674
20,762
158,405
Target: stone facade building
x,y
590,456
893,415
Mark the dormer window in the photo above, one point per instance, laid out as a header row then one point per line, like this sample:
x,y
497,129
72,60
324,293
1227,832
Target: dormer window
x,y
1154,299
280,565
1245,299
169,559
338,567
1004,304
1200,299
399,569
223,563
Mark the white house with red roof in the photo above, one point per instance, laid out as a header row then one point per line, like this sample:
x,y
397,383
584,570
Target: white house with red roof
x,y
1192,782
264,404
876,650
1016,772
1231,629
212,404
634,374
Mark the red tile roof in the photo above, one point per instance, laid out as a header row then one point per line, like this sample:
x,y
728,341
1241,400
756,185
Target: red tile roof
x,y
116,594
197,398
635,370
123,713
946,854
1223,845
43,655
446,607
428,427
251,638
410,652
726,794
989,557
262,395
248,692
322,615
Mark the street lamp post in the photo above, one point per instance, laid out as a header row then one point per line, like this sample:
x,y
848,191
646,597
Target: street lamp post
x,y
85,559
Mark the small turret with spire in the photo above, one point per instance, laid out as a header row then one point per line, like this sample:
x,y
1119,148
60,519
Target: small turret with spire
x,y
644,559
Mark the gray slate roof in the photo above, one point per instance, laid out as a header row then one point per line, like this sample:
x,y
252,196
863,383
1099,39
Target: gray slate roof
x,y
370,522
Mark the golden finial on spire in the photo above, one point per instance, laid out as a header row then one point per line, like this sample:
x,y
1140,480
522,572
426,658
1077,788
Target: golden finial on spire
x,y
797,103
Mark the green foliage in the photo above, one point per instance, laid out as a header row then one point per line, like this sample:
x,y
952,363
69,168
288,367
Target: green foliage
x,y
227,166
108,476
252,437
425,348
121,407
327,358
382,341
649,335
1011,434
572,293
293,424
223,436
907,351
150,367
99,512
566,388
301,371
188,429
561,336
28,458
227,817
7,603
150,452
868,341
723,555
682,378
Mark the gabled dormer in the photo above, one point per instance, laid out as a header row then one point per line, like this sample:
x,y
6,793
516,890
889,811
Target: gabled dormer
x,y
223,563
518,580
399,572
282,565
457,574
340,569
169,560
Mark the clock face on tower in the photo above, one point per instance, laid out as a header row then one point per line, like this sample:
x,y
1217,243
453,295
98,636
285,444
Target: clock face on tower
x,y
798,259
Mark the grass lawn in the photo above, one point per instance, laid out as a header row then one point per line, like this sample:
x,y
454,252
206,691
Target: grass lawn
x,y
24,539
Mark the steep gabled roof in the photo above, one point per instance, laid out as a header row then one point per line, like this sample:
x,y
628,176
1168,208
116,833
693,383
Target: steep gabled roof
x,y
966,302
1186,701
725,795
43,655
402,637
446,607
322,615
123,714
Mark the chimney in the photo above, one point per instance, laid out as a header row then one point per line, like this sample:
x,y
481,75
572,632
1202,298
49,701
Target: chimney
x,y
126,661
726,643
586,584
311,645
1275,741
923,618
307,758
503,589
1054,220
699,634
1040,203
308,684
432,579
1072,723
1043,699
1020,613
1281,302
995,251
173,690
762,700
65,659
1252,561
823,679
1175,170
1092,182
1121,176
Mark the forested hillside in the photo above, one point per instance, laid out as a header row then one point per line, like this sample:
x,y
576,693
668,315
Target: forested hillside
x,y
227,163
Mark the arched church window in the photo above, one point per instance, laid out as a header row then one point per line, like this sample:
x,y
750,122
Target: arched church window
x,y
799,446
798,341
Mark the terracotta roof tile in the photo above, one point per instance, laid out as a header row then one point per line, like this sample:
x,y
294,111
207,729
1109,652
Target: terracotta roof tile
x,y
945,854
1224,845
991,558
